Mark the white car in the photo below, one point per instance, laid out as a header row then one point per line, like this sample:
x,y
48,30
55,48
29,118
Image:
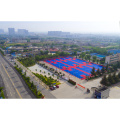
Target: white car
x,y
54,87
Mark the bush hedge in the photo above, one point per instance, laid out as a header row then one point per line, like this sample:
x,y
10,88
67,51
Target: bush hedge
x,y
72,82
1,92
30,84
47,80
1,52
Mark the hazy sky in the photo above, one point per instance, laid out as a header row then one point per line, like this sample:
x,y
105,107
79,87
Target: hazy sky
x,y
70,26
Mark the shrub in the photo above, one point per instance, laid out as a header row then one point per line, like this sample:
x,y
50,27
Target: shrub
x,y
72,82
31,85
45,79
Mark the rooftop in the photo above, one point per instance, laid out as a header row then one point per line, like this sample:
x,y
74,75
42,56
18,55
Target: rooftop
x,y
100,89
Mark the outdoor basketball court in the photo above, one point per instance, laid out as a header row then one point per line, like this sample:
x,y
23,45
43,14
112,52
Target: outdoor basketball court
x,y
73,66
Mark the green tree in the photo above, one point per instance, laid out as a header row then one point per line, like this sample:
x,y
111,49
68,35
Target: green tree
x,y
82,55
110,79
39,93
28,40
107,66
116,79
119,74
53,75
115,67
97,61
75,53
89,56
105,81
94,58
93,71
114,75
103,70
32,85
118,64
86,58
98,71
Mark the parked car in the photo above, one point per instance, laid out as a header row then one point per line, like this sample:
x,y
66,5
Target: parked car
x,y
51,88
57,86
54,87
6,66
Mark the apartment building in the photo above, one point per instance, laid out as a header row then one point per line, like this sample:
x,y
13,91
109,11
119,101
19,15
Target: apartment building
x,y
112,58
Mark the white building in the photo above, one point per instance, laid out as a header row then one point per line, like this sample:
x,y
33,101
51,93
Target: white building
x,y
112,58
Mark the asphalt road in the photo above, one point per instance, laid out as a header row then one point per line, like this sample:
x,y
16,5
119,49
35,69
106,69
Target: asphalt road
x,y
3,85
13,85
46,92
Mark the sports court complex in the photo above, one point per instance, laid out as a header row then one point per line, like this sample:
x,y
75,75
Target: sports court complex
x,y
76,67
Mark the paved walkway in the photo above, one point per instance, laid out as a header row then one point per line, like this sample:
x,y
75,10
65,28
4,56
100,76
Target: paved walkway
x,y
66,90
40,85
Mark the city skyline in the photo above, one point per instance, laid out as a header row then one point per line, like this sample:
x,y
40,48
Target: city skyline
x,y
65,26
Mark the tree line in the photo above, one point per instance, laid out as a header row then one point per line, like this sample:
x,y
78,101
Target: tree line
x,y
27,62
30,84
47,80
30,60
111,79
106,69
101,51
1,52
87,56
44,55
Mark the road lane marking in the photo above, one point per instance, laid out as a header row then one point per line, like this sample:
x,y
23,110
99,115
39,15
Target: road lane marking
x,y
12,81
6,84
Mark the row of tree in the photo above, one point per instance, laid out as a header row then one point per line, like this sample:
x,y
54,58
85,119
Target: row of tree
x,y
1,52
30,84
59,74
111,79
1,92
99,50
98,72
85,56
27,62
47,80
44,55
107,69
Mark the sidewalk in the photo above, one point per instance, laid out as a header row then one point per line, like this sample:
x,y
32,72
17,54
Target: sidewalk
x,y
40,85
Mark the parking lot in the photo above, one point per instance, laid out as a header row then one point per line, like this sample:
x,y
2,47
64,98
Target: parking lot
x,y
66,90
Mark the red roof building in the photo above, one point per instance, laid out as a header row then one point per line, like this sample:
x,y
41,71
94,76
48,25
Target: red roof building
x,y
53,49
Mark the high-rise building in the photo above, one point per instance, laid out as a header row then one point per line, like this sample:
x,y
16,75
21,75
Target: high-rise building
x,y
22,32
11,31
58,33
1,31
54,33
